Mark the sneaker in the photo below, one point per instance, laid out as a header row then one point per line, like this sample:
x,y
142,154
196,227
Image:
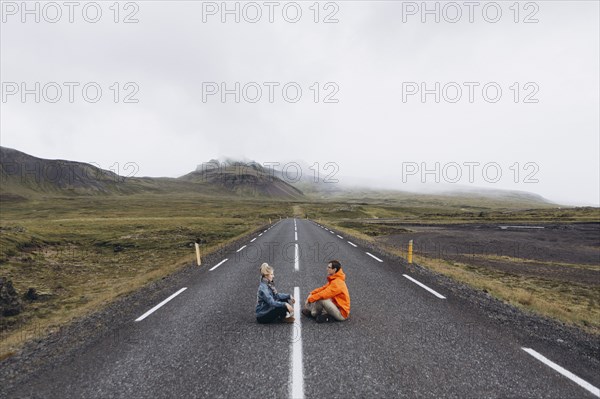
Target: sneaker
x,y
306,313
288,320
322,318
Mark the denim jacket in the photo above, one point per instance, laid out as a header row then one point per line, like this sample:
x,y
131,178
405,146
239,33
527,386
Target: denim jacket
x,y
266,301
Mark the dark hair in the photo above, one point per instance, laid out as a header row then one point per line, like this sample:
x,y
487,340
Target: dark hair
x,y
335,264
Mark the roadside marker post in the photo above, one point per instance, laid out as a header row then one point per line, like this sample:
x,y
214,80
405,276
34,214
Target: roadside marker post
x,y
410,251
198,251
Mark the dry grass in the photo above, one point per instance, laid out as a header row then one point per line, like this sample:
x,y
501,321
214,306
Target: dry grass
x,y
297,211
525,262
575,304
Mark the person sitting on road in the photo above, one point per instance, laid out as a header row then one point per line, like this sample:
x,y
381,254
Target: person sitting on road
x,y
270,304
331,301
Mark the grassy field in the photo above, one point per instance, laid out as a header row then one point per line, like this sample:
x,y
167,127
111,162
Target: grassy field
x,y
80,253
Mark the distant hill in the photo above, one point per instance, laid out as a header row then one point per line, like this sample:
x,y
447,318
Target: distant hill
x,y
23,176
461,199
242,178
509,195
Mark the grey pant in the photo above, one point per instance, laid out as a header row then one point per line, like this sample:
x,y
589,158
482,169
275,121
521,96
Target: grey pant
x,y
325,306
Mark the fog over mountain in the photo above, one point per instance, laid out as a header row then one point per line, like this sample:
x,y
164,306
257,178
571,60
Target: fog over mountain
x,y
327,178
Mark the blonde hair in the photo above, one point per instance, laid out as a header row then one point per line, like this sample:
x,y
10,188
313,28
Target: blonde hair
x,y
265,269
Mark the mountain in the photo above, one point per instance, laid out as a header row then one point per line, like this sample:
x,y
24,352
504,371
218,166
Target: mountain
x,y
242,178
23,176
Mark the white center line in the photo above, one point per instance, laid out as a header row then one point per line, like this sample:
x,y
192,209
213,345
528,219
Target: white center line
x,y
241,248
374,257
148,313
424,286
296,259
297,374
252,240
296,236
217,265
340,236
584,384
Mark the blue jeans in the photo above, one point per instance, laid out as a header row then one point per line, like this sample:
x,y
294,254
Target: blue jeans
x,y
273,314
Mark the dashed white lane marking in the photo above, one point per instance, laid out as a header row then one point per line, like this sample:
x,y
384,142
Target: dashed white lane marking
x,y
331,232
374,257
296,236
340,236
296,258
297,374
252,240
260,234
154,309
217,265
424,286
241,248
354,245
582,383
265,231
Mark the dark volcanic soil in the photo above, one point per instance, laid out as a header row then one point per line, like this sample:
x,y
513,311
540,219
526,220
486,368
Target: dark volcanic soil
x,y
577,244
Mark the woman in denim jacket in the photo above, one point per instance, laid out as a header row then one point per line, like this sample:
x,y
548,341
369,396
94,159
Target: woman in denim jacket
x,y
271,305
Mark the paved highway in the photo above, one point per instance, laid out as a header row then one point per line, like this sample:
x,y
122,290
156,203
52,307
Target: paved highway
x,y
405,337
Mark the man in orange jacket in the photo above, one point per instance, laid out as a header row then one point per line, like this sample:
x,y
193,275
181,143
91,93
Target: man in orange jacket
x,y
331,301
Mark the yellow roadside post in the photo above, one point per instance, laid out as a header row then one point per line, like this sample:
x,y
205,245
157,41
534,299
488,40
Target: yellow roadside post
x,y
410,251
198,251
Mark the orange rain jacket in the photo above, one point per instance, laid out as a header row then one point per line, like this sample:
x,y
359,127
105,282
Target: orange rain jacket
x,y
336,290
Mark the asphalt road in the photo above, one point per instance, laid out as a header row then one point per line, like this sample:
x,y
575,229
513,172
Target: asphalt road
x,y
401,340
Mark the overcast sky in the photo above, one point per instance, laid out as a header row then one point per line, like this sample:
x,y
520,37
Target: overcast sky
x,y
540,133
